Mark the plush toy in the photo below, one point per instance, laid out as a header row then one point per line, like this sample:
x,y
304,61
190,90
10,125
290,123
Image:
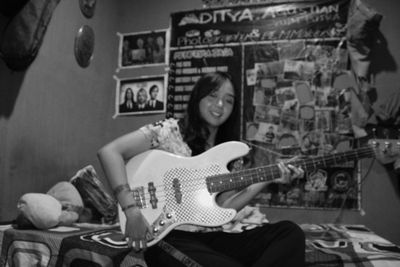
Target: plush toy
x,y
61,205
82,199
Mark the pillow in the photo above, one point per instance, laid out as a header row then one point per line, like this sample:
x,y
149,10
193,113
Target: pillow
x,y
42,210
67,194
94,195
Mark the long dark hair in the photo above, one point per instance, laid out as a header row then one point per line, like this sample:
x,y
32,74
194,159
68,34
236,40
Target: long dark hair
x,y
194,128
126,95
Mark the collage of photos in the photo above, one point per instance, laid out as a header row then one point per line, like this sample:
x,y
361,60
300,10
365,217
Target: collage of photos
x,y
294,99
141,95
296,110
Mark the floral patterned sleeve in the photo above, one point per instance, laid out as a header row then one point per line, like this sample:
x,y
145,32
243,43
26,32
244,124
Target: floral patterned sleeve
x,y
165,135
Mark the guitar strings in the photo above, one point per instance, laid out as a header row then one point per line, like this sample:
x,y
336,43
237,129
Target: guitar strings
x,y
195,183
253,173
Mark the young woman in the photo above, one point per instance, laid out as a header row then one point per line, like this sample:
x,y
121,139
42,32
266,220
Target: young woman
x,y
211,114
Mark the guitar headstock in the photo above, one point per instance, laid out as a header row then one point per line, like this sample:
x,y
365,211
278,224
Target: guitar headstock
x,y
386,150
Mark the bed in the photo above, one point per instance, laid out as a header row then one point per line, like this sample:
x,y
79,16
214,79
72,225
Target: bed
x,y
103,245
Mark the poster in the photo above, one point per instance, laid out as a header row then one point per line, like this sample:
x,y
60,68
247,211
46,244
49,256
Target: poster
x,y
286,58
262,22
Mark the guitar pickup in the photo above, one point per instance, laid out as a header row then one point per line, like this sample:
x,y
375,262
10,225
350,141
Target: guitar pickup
x,y
176,184
153,197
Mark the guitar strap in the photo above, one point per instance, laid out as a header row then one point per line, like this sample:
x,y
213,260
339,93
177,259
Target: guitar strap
x,y
168,248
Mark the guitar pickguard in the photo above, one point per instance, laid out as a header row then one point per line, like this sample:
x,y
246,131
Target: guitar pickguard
x,y
174,191
197,205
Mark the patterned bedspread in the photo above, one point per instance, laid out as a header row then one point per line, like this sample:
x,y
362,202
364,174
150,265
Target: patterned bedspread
x,y
96,245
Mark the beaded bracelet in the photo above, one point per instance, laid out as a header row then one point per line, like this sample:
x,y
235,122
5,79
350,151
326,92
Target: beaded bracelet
x,y
118,189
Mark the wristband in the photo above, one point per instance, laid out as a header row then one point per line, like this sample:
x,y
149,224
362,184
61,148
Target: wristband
x,y
118,189
129,206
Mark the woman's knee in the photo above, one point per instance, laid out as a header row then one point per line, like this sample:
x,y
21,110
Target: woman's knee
x,y
293,230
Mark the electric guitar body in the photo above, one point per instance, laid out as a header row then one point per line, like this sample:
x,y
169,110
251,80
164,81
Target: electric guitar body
x,y
171,190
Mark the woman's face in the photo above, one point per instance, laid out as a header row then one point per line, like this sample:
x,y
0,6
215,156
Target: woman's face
x,y
216,107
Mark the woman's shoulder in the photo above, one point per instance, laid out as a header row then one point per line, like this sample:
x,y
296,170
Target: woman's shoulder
x,y
162,126
166,135
168,122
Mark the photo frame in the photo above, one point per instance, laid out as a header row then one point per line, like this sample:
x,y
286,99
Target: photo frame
x,y
140,49
142,95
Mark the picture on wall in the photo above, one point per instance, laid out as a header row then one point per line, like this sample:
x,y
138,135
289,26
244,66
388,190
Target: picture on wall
x,y
140,95
143,49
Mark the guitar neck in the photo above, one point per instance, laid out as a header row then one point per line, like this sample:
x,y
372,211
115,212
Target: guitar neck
x,y
240,179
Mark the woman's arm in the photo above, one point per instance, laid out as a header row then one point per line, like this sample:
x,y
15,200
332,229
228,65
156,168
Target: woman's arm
x,y
238,199
113,158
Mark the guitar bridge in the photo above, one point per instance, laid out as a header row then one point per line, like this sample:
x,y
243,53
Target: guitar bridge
x,y
139,197
153,197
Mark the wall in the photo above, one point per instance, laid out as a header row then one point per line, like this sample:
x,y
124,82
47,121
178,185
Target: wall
x,y
55,115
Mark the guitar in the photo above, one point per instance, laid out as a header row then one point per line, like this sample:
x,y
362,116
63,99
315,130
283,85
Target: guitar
x,y
173,190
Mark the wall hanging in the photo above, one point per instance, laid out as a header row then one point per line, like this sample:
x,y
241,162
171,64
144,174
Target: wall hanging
x,y
84,46
285,58
87,7
141,49
23,36
140,95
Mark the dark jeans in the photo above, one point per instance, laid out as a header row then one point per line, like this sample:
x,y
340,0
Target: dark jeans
x,y
278,244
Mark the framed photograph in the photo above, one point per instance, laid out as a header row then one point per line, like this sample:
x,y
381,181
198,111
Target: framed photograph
x,y
143,49
140,95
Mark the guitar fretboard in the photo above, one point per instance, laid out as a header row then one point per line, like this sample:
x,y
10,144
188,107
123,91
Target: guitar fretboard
x,y
240,179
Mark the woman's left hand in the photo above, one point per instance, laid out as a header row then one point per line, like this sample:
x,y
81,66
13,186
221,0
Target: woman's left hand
x,y
288,172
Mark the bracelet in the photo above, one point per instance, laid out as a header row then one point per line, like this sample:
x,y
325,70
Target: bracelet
x,y
118,189
129,206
